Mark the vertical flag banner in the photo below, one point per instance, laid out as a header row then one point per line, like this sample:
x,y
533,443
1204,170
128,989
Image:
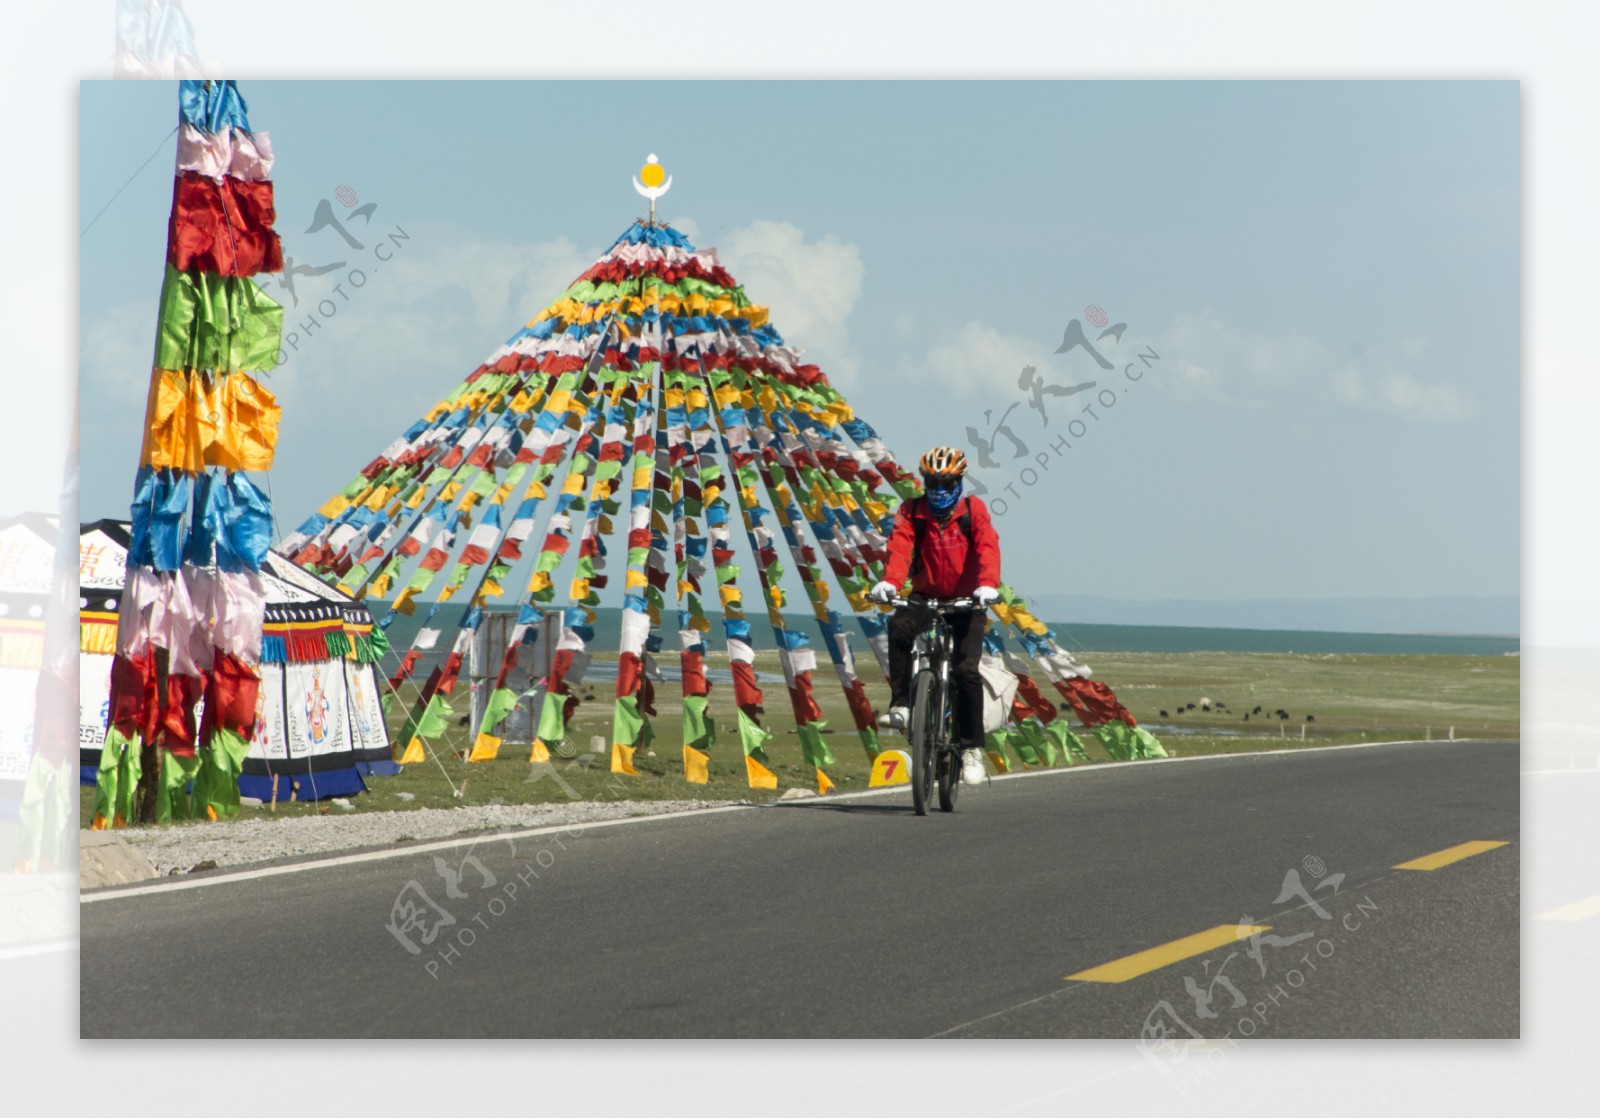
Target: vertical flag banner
x,y
189,625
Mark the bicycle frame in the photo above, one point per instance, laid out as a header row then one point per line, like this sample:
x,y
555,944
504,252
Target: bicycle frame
x,y
933,740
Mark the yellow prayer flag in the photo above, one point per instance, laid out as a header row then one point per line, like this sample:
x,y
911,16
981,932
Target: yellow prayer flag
x,y
335,505
622,759
759,776
696,766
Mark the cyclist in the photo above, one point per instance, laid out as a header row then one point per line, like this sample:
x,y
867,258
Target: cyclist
x,y
946,545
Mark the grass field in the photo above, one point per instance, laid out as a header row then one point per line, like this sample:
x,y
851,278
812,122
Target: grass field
x,y
1352,699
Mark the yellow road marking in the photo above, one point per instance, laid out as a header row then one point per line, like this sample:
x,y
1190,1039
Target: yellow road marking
x,y
1450,855
1577,911
1131,967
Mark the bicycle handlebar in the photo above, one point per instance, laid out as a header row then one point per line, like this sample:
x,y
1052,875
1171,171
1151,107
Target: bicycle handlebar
x,y
941,605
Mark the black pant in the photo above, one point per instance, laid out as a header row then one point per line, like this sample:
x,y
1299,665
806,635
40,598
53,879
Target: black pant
x,y
966,683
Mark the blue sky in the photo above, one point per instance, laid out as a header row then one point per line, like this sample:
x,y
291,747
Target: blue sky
x,y
1328,271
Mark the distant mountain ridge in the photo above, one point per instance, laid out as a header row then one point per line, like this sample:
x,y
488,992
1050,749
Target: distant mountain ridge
x,y
1499,616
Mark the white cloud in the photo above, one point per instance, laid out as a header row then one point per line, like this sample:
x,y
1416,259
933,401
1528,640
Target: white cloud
x,y
688,227
1404,394
419,325
980,359
810,286
1209,354
117,347
1212,356
422,321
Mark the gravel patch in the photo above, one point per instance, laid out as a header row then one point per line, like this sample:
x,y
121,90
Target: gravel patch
x,y
205,845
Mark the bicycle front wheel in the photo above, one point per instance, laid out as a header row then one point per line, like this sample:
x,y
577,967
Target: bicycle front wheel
x,y
924,735
949,768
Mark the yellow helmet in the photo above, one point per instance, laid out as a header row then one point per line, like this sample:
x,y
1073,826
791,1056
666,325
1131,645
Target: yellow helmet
x,y
944,462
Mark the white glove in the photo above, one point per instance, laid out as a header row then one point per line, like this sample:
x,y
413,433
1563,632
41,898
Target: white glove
x,y
985,596
883,592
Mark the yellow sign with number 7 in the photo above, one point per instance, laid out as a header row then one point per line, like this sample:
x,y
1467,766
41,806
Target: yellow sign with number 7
x,y
890,767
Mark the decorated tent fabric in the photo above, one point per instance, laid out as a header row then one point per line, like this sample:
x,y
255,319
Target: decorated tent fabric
x,y
189,622
318,725
653,373
27,558
38,670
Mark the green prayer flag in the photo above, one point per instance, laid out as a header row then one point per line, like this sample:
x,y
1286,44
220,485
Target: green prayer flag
x,y
699,728
502,701
1023,745
172,802
430,723
627,723
753,737
118,779
216,322
1117,738
812,746
216,782
552,724
1070,746
1146,745
994,743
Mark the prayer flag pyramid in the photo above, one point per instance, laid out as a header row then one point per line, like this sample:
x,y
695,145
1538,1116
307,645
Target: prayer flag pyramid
x,y
644,418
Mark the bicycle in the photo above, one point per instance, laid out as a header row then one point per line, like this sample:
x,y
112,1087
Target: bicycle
x,y
934,756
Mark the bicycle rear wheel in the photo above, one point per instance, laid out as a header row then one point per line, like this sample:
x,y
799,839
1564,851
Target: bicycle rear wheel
x,y
924,733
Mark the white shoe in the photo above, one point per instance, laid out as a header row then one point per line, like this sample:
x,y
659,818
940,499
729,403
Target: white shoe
x,y
972,766
896,718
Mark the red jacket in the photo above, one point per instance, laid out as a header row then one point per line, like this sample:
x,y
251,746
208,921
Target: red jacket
x,y
951,565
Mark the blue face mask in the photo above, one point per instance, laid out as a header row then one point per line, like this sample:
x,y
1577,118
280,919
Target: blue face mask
x,y
943,499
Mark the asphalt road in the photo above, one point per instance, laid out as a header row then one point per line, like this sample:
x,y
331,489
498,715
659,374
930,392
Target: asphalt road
x,y
854,918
